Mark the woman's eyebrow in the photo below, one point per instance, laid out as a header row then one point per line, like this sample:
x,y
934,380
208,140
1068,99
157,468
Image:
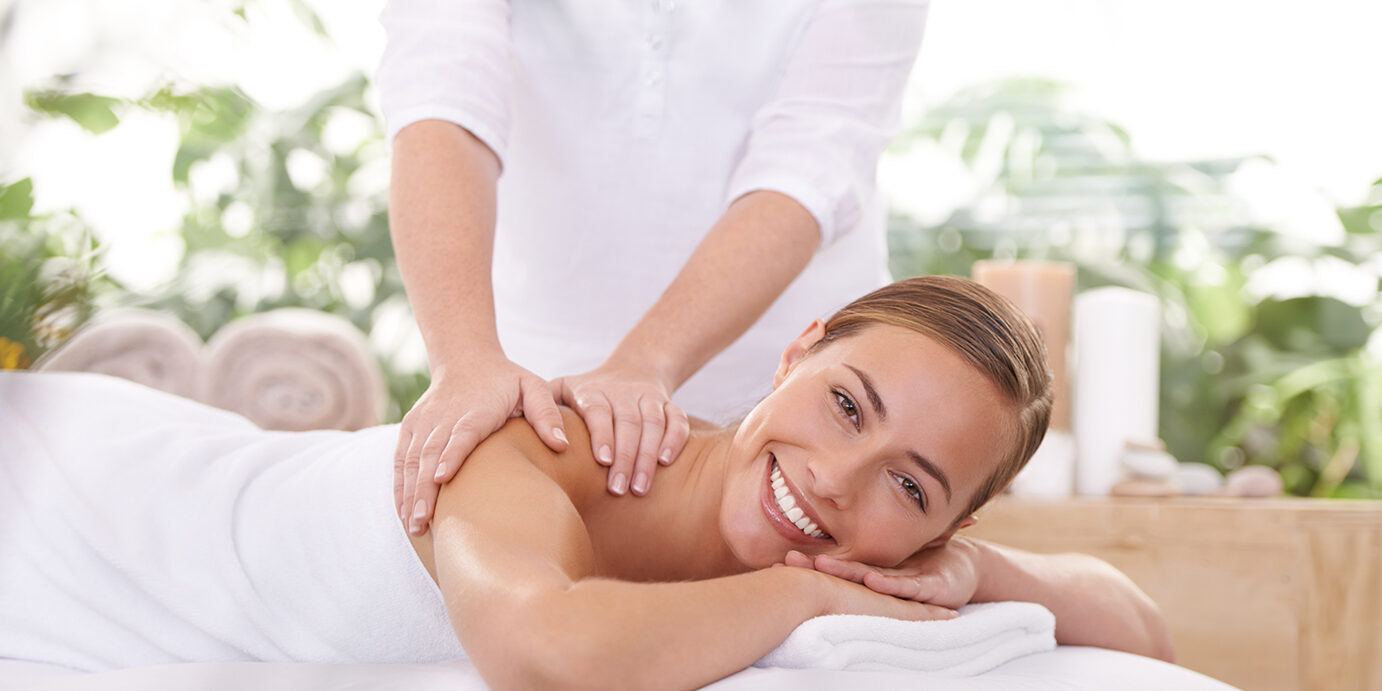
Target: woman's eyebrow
x,y
874,399
878,408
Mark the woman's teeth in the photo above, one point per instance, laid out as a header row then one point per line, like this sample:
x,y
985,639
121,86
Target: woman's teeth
x,y
788,504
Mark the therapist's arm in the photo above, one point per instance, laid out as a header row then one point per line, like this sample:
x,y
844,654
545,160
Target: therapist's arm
x,y
748,258
441,219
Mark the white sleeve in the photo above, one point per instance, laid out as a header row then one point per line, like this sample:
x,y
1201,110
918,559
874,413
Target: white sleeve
x,y
837,106
449,60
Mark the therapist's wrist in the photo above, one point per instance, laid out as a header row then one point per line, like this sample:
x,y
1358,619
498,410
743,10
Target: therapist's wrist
x,y
644,365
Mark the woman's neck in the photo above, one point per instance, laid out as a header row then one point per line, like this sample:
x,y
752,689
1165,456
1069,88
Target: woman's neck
x,y
674,532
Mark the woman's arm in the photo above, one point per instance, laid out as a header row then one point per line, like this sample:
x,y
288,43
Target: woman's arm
x,y
1094,603
514,561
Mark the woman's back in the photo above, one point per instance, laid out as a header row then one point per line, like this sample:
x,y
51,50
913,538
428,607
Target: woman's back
x,y
140,528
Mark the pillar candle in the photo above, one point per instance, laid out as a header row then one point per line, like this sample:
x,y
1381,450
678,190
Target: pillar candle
x,y
1117,381
1042,290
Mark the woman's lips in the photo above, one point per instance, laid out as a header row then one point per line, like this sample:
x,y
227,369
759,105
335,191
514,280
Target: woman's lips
x,y
778,520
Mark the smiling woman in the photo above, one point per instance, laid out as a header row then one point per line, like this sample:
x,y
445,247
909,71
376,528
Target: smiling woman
x,y
880,435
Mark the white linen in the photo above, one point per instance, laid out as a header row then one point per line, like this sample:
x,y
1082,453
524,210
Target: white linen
x,y
627,128
139,528
983,637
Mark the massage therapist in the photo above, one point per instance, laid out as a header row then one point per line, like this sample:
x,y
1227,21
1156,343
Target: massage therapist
x,y
681,182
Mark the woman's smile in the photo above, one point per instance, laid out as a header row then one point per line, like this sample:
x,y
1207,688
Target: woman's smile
x,y
790,514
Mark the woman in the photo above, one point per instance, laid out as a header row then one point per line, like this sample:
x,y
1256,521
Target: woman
x,y
887,427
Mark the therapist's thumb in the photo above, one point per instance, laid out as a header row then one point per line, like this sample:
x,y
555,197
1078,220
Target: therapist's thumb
x,y
540,410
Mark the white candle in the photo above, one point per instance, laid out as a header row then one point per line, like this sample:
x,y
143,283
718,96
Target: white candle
x,y
1117,385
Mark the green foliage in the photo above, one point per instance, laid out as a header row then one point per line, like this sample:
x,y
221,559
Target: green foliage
x,y
1281,382
49,277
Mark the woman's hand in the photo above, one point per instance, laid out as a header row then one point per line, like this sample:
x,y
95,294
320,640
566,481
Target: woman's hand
x,y
633,423
843,596
455,414
947,575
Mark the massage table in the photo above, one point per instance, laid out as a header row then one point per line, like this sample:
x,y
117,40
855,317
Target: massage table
x,y
1071,668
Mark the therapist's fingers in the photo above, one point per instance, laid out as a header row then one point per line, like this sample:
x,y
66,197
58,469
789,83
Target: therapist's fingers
x,y
400,453
424,497
539,408
678,431
628,427
595,410
649,443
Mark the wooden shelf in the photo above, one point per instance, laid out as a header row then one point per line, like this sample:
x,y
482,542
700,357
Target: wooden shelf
x,y
1259,593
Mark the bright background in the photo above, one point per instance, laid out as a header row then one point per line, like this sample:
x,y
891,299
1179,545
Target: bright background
x,y
1221,154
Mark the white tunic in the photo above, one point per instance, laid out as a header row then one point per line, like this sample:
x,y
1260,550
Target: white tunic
x,y
626,128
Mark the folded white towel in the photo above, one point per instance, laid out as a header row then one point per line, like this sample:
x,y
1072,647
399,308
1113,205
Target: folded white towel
x,y
143,346
294,369
983,637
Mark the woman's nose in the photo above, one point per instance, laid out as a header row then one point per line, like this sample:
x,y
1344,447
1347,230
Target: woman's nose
x,y
834,478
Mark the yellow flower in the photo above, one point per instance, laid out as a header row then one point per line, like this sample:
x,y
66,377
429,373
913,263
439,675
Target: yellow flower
x,y
12,355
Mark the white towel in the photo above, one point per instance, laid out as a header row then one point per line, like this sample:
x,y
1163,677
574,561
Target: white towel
x,y
137,528
294,369
143,346
983,637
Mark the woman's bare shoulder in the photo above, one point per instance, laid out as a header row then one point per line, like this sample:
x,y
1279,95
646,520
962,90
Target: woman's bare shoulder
x,y
574,469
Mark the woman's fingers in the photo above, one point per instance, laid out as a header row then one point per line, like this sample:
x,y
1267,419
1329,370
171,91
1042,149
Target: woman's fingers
x,y
842,568
540,410
649,444
678,431
919,588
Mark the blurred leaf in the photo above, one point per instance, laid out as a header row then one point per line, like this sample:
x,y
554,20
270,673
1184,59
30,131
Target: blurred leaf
x,y
94,113
17,200
1312,323
309,16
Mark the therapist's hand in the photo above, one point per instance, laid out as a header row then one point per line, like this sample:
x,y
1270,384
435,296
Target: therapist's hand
x,y
455,414
633,423
946,575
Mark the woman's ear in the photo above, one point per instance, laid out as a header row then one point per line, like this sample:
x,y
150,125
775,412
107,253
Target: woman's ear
x,y
797,349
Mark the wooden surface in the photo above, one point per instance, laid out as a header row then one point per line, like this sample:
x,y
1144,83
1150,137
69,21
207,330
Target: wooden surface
x,y
1259,593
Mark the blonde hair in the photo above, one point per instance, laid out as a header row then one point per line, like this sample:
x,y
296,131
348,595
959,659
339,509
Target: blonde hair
x,y
984,329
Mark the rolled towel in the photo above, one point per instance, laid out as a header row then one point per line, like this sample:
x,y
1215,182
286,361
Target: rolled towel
x,y
294,369
983,637
151,348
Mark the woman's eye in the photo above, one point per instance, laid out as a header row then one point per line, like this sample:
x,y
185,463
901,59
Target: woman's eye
x,y
913,490
847,407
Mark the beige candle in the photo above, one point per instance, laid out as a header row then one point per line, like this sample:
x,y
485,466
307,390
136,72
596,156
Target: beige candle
x,y
1043,290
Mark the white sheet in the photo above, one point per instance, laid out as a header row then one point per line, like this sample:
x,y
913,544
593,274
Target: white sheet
x,y
1067,668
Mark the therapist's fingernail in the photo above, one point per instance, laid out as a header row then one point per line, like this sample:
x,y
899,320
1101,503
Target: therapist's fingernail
x,y
556,432
441,472
640,483
619,484
665,457
419,513
604,455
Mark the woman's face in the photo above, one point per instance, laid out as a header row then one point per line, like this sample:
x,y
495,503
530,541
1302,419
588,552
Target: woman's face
x,y
867,449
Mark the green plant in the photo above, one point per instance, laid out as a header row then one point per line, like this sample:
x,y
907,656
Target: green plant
x,y
1287,383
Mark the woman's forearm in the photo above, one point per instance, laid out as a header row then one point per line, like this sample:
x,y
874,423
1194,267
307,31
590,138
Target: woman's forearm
x,y
606,634
441,219
1094,603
